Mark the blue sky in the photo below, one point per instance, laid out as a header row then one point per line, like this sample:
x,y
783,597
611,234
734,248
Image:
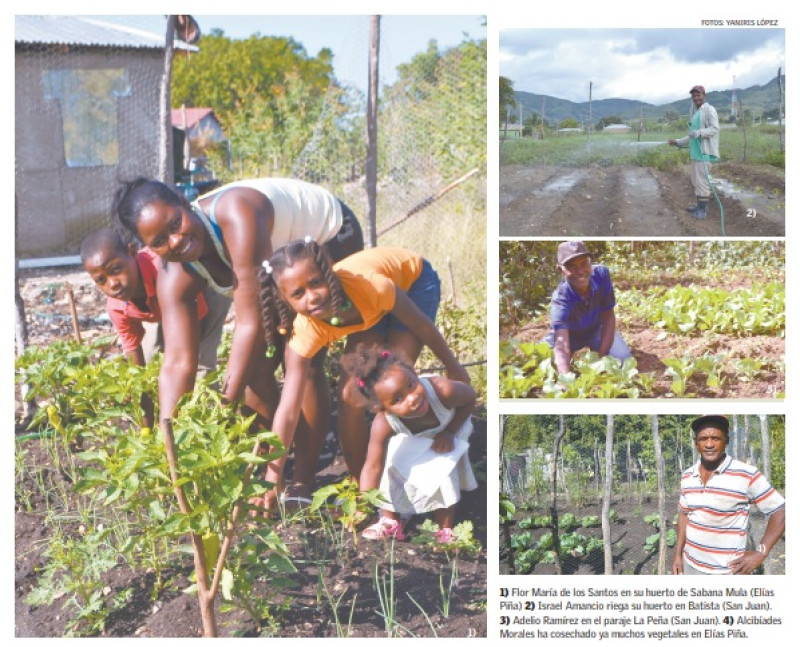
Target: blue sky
x,y
402,36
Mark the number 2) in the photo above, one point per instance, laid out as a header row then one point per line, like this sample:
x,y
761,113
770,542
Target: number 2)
x,y
751,213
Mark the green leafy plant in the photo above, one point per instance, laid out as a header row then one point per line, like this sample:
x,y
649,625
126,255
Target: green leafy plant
x,y
651,543
74,569
258,554
680,369
758,310
462,541
653,519
747,368
568,521
353,505
526,368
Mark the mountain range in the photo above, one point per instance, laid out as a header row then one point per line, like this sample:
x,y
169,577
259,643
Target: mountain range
x,y
757,98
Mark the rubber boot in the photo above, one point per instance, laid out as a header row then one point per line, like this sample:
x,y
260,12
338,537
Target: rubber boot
x,y
700,211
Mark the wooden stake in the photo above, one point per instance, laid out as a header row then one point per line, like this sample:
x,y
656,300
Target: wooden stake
x,y
452,282
76,329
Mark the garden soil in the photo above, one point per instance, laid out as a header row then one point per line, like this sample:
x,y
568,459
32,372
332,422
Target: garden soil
x,y
302,611
628,534
621,201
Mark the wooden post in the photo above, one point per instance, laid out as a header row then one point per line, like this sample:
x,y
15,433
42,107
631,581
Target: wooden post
x,y
629,463
452,282
21,331
662,497
165,170
553,494
372,131
506,524
766,449
605,521
780,111
641,124
76,329
591,125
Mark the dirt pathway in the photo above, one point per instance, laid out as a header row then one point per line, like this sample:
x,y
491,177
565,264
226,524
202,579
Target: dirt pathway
x,y
636,201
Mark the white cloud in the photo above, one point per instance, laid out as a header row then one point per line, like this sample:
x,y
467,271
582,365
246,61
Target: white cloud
x,y
653,65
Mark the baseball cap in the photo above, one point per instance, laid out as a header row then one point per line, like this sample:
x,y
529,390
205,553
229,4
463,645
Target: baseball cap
x,y
717,422
569,250
698,88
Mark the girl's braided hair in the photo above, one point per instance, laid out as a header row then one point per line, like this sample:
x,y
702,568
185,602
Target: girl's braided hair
x,y
367,365
275,312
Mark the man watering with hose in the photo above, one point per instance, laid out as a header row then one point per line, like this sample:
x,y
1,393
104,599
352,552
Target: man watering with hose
x,y
703,143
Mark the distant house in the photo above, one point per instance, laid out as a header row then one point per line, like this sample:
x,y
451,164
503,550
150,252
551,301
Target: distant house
x,y
87,115
570,130
203,130
512,131
616,128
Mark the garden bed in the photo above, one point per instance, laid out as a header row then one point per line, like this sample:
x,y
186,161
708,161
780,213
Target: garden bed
x,y
629,533
339,587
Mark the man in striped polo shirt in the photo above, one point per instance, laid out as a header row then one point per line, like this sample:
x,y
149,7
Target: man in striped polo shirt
x,y
716,494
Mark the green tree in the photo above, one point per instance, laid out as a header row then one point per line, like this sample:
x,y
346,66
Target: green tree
x,y
608,121
507,98
266,92
532,123
569,123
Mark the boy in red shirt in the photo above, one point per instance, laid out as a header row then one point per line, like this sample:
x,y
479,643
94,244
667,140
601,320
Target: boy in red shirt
x,y
128,279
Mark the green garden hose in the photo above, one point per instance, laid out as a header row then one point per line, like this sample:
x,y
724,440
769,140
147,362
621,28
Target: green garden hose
x,y
714,191
35,434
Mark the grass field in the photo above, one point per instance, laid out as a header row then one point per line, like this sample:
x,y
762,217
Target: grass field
x,y
756,145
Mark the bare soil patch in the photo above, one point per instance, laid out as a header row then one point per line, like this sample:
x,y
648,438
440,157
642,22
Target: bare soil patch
x,y
621,201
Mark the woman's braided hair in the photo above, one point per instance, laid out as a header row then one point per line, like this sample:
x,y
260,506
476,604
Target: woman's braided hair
x,y
275,312
367,365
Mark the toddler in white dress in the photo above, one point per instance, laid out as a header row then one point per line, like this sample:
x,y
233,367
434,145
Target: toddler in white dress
x,y
417,454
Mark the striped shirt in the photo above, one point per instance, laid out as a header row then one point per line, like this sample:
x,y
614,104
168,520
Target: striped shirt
x,y
716,529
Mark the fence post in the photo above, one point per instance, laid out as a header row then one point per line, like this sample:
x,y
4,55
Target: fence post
x,y
553,494
372,130
609,557
662,498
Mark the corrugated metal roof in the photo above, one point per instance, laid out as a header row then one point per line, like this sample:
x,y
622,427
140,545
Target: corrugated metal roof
x,y
88,31
193,115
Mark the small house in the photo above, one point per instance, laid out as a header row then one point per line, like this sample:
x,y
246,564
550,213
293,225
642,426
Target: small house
x,y
87,96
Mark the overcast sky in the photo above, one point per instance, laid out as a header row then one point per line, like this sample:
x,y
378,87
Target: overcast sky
x,y
653,65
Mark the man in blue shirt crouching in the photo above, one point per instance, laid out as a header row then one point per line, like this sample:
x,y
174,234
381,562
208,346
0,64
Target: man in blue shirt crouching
x,y
582,309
